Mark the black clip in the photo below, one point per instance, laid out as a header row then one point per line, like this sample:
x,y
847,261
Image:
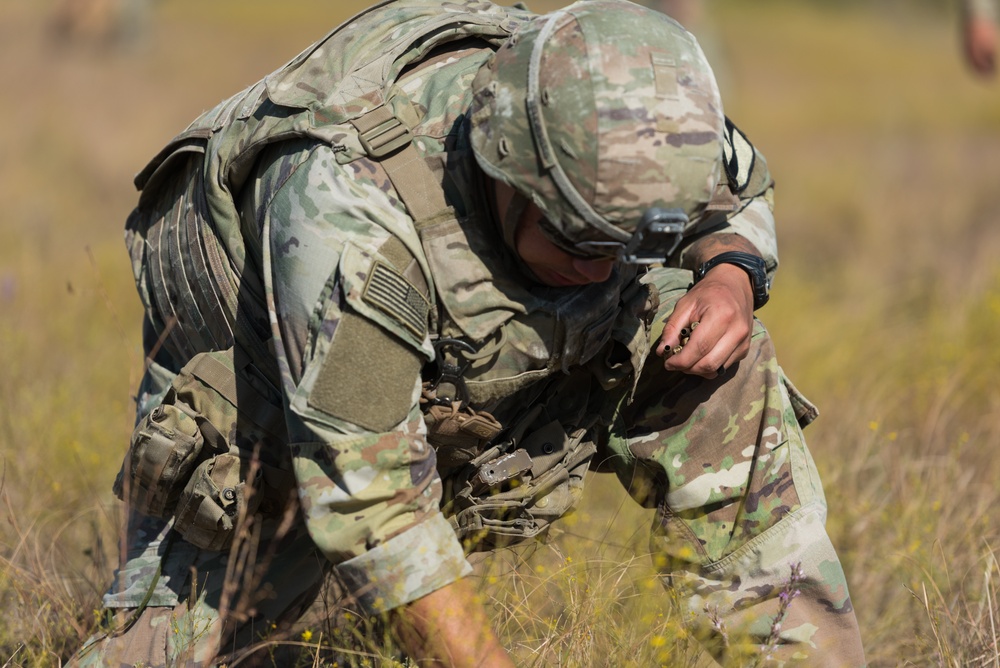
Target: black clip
x,y
452,373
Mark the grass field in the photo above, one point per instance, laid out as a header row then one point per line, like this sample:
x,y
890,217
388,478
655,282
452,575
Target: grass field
x,y
886,312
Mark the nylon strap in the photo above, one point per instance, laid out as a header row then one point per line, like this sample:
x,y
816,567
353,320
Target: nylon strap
x,y
411,176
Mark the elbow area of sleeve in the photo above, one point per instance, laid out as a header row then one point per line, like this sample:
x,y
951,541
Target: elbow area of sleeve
x,y
409,566
755,222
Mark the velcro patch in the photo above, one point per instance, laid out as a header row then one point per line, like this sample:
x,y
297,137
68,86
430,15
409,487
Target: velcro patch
x,y
391,293
739,157
664,75
367,377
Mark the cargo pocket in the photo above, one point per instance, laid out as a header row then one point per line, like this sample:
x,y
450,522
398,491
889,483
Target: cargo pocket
x,y
805,410
806,478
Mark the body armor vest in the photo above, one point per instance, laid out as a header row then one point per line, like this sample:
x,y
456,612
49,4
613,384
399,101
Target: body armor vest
x,y
194,260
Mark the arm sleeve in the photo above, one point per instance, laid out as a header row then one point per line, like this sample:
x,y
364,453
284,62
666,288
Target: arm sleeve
x,y
750,215
350,337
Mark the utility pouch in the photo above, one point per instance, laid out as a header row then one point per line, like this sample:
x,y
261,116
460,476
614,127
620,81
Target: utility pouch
x,y
217,495
502,498
458,433
505,483
212,452
165,448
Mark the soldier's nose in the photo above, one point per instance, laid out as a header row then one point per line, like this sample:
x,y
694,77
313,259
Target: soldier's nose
x,y
595,271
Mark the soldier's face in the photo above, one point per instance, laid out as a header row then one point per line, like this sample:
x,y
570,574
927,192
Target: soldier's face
x,y
550,264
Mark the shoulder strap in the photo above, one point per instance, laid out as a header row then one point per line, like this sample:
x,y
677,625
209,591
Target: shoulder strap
x,y
349,72
389,141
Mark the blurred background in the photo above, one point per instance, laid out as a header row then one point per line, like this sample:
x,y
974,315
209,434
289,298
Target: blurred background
x,y
886,311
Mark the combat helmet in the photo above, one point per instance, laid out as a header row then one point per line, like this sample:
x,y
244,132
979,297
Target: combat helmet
x,y
607,116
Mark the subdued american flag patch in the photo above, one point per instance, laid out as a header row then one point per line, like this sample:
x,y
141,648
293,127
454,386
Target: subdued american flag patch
x,y
395,296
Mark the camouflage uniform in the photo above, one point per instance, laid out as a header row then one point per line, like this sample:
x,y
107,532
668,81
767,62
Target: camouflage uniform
x,y
357,289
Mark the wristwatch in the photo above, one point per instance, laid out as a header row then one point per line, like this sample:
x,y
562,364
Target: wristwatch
x,y
753,265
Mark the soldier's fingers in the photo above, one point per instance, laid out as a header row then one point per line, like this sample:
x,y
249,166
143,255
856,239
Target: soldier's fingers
x,y
732,348
734,358
699,349
718,348
676,328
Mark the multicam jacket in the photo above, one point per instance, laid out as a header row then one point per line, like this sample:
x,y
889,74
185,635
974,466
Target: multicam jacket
x,y
317,256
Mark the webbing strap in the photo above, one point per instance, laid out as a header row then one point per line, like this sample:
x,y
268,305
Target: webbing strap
x,y
388,141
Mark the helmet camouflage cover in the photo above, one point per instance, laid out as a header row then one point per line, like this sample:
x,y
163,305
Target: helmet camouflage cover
x,y
597,113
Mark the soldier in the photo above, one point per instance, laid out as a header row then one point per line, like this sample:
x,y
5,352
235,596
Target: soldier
x,y
979,35
403,292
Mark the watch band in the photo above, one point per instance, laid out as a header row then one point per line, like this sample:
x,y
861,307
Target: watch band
x,y
754,267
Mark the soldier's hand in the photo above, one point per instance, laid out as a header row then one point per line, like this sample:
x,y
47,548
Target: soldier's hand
x,y
722,305
450,628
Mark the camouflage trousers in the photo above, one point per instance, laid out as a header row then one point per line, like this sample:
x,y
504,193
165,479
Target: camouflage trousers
x,y
739,529
203,608
739,532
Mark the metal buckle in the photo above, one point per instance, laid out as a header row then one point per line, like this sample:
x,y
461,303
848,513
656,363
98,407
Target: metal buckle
x,y
502,469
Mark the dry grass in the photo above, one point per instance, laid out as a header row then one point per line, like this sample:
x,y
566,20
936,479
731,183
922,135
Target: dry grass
x,y
886,312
